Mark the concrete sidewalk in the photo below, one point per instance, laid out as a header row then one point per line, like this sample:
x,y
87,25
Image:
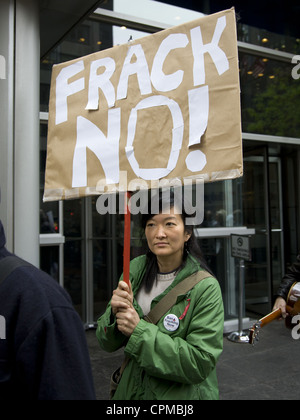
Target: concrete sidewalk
x,y
268,371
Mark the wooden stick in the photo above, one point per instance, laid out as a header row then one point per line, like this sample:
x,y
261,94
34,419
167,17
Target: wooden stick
x,y
127,229
274,315
269,318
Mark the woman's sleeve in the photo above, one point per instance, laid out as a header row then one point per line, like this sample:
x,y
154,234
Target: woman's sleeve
x,y
108,335
190,359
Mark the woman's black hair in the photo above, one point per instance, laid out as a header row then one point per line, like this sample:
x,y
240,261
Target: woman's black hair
x,y
167,200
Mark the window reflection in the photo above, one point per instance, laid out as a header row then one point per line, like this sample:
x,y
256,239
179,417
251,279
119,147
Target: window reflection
x,y
264,38
222,204
49,261
217,253
49,212
172,15
84,39
72,218
73,268
49,218
265,86
101,275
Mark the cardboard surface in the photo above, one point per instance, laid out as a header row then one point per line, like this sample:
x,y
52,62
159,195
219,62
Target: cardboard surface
x,y
165,107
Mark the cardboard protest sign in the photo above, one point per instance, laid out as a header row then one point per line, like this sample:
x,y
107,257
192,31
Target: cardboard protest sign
x,y
164,107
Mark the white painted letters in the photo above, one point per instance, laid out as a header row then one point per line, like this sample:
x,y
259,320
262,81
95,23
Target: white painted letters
x,y
199,49
140,68
101,81
65,89
199,112
178,126
161,81
89,136
108,80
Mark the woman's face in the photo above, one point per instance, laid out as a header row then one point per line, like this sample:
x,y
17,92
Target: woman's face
x,y
166,236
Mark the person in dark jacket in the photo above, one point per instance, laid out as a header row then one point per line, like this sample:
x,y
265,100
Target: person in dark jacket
x,y
292,276
44,355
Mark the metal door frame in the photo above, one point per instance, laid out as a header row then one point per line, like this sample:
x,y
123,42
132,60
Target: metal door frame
x,y
263,154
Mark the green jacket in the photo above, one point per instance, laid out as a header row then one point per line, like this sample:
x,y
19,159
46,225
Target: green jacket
x,y
164,365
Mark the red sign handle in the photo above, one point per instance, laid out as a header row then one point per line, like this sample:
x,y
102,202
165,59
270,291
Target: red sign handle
x,y
127,229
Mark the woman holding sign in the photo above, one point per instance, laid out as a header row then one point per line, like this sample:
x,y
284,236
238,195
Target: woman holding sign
x,y
171,352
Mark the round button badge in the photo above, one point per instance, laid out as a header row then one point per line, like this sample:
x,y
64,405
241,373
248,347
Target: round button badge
x,y
171,322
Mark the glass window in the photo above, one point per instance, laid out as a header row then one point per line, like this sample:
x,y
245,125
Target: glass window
x,y
270,97
101,224
222,204
73,213
87,38
73,272
49,261
265,270
217,253
74,253
101,275
122,35
84,39
49,212
264,38
49,218
291,213
172,15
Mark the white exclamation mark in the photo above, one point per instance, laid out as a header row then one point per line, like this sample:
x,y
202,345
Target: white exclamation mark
x,y
199,111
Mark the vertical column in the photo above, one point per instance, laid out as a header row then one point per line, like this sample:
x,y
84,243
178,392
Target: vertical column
x,y
7,41
26,157
298,201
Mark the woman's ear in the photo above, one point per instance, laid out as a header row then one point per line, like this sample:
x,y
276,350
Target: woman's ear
x,y
187,236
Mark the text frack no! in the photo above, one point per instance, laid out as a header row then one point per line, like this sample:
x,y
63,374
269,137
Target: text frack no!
x,y
106,147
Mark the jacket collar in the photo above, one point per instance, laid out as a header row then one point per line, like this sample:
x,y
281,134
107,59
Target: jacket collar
x,y
2,236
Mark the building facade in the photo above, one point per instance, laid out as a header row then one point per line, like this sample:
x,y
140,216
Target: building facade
x,y
83,250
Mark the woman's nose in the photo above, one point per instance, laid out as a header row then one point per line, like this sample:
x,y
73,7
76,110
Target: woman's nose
x,y
160,232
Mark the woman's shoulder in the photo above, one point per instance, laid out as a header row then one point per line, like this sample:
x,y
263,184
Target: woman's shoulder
x,y
208,289
207,280
138,262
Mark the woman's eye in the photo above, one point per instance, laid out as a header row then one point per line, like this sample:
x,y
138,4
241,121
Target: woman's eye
x,y
149,225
